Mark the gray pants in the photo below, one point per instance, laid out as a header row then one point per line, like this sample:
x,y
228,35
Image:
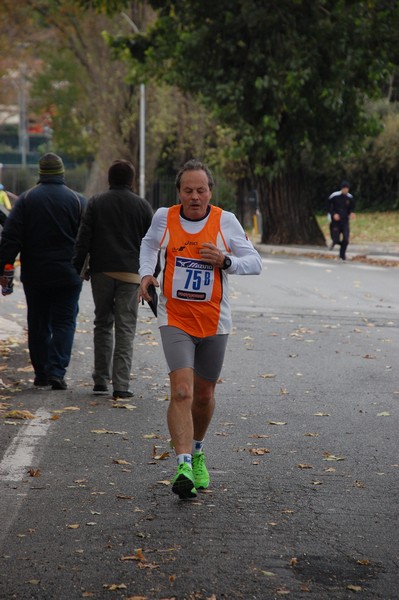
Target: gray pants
x,y
115,321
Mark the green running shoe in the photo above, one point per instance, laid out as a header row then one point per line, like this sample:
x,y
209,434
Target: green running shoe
x,y
201,475
183,482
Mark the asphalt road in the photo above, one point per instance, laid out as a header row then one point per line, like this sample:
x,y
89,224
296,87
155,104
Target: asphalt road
x,y
302,453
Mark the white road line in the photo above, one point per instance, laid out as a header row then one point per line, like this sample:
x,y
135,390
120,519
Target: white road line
x,y
19,456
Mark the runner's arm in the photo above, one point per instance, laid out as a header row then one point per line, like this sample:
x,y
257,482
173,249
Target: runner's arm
x,y
245,260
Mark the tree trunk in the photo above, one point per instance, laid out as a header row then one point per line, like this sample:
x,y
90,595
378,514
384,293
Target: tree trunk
x,y
287,214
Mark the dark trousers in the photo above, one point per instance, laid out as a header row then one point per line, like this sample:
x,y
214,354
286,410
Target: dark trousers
x,y
52,313
340,235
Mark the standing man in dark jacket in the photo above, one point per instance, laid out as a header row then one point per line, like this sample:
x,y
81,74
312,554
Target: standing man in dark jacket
x,y
43,226
341,206
111,232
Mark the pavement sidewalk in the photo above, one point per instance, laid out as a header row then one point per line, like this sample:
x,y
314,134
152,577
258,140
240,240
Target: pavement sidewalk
x,y
386,254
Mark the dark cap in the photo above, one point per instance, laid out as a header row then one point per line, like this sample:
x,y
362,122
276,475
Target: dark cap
x,y
121,172
51,164
345,184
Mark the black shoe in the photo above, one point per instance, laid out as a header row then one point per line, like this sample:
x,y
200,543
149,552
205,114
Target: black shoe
x,y
41,382
122,395
57,383
100,389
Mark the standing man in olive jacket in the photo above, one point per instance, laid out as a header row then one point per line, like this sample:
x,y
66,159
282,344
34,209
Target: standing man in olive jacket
x,y
42,226
111,232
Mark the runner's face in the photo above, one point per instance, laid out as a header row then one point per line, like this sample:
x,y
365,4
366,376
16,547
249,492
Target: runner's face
x,y
194,194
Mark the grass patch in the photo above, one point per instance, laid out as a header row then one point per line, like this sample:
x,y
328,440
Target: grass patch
x,y
369,227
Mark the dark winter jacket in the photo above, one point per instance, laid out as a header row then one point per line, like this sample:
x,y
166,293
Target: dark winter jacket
x,y
111,232
42,226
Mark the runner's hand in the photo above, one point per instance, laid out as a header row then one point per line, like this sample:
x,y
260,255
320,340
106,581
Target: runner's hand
x,y
146,281
212,254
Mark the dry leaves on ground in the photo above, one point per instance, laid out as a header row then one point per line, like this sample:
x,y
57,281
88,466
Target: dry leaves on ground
x,y
19,414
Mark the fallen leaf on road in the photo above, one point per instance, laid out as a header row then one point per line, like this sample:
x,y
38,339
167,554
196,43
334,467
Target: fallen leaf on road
x,y
321,414
114,586
164,482
162,456
277,422
120,461
34,472
363,561
328,456
354,588
359,484
259,451
100,431
267,376
146,565
310,434
19,414
73,526
138,556
384,414
284,391
304,466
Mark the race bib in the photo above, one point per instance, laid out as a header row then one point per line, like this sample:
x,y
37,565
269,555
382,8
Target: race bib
x,y
192,279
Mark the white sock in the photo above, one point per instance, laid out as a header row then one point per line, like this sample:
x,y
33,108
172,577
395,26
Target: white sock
x,y
184,458
197,446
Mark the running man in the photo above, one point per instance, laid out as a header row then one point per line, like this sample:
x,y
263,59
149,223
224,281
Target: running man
x,y
341,206
200,245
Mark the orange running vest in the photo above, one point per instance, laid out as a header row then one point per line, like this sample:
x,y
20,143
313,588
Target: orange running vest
x,y
193,288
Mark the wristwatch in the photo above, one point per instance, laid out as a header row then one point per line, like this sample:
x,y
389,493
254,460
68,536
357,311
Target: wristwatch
x,y
226,263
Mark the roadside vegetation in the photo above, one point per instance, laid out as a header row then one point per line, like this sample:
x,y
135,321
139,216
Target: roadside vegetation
x,y
369,227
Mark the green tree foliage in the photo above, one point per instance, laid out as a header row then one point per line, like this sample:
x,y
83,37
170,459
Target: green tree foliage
x,y
289,76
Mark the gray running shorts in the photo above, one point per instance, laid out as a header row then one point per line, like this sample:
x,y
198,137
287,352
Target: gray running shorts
x,y
204,355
